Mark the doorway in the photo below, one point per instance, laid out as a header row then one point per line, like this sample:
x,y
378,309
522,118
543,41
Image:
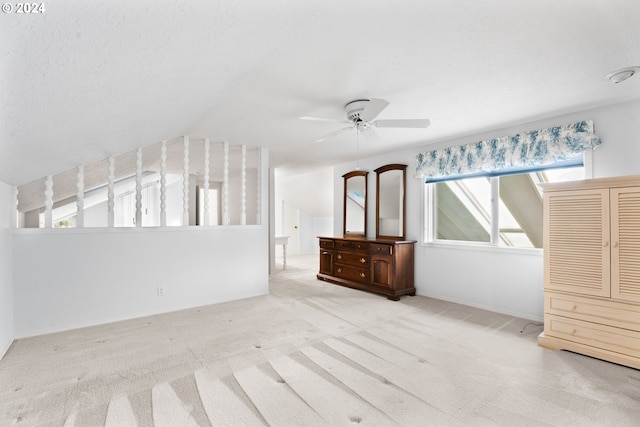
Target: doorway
x,y
291,227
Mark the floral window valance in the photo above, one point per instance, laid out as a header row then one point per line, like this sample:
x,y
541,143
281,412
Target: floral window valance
x,y
534,148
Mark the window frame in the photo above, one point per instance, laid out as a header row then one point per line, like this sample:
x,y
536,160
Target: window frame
x,y
428,218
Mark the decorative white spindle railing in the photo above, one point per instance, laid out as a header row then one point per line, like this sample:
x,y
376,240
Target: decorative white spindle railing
x,y
185,183
80,197
139,187
14,211
141,191
163,184
243,196
48,202
205,208
110,192
258,188
225,186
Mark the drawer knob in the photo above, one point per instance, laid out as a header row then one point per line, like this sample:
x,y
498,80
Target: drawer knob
x,y
362,275
339,256
339,270
362,260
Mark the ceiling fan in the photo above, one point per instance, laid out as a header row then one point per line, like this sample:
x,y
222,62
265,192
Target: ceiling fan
x,y
361,115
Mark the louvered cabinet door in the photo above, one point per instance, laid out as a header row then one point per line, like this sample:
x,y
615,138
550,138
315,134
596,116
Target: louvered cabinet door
x,y
576,242
625,243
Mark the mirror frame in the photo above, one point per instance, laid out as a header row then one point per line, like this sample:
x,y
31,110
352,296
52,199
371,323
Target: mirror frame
x,y
380,171
347,176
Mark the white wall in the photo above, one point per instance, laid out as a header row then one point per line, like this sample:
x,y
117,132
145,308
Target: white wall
x,y
322,226
497,279
66,279
69,278
6,286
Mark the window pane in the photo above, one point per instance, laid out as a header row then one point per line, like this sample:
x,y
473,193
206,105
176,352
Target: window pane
x,y
520,207
463,210
520,212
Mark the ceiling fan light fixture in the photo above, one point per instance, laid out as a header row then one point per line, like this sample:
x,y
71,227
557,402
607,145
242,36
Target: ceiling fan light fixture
x,y
354,108
622,74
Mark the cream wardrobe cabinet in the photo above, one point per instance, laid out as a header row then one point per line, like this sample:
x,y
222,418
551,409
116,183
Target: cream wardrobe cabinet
x,y
592,268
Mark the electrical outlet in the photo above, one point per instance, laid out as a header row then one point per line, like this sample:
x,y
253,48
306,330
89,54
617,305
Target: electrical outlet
x,y
160,290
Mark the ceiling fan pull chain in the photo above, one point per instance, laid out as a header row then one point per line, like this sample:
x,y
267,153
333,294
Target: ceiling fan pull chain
x,y
357,148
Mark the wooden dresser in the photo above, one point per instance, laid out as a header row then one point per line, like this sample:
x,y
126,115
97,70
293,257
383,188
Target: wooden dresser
x,y
592,268
381,266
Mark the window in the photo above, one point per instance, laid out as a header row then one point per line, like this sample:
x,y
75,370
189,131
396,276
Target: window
x,y
487,192
493,210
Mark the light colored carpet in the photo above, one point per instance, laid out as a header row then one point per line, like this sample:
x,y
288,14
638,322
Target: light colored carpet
x,y
311,353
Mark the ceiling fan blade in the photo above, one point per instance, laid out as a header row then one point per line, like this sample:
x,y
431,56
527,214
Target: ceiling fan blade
x,y
335,134
322,119
373,108
402,123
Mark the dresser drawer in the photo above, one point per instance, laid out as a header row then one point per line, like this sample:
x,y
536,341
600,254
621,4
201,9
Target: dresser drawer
x,y
381,249
612,313
326,244
352,245
353,258
351,272
595,335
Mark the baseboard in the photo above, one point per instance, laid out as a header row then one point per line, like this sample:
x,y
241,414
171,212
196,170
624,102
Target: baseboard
x,y
525,316
3,352
105,321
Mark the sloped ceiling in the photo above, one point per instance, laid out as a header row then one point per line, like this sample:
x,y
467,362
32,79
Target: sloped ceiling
x,y
87,79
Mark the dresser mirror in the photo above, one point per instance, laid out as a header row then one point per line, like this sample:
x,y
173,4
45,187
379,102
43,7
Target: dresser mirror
x,y
390,201
355,204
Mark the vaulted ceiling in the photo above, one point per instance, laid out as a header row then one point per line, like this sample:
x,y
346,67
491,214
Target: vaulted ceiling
x,y
85,80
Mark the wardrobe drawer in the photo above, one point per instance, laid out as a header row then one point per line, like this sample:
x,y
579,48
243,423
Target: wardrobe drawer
x,y
352,258
612,313
595,335
353,273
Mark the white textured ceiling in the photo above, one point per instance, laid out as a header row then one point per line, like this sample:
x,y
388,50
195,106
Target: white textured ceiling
x,y
88,79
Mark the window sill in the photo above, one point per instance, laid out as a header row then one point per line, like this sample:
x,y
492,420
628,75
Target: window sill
x,y
482,247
